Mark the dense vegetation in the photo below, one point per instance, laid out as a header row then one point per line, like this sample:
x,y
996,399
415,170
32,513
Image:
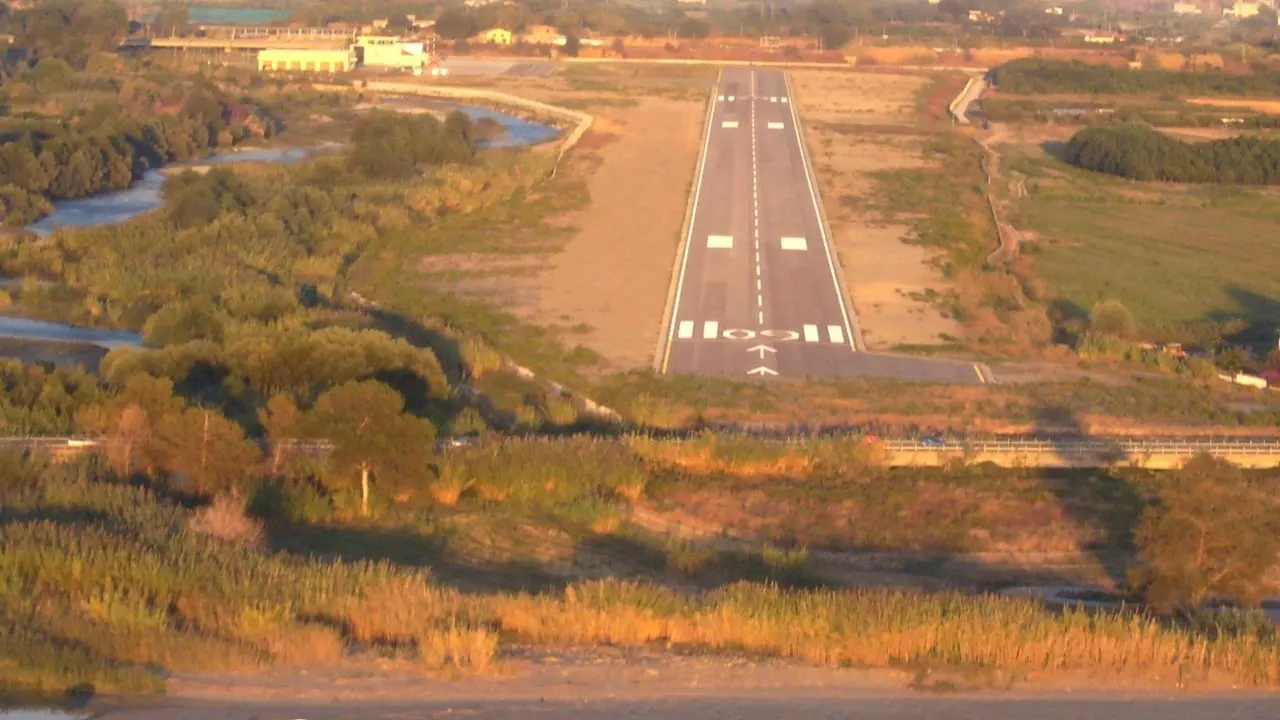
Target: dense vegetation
x,y
76,125
1142,153
1033,75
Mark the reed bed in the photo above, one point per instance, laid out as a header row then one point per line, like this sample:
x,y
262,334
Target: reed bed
x,y
881,629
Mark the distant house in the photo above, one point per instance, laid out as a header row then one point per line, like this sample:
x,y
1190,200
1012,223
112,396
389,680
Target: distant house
x,y
1241,10
1055,10
494,36
1186,8
1102,38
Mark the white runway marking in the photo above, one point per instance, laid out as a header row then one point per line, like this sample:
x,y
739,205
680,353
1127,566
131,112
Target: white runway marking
x,y
776,126
720,241
794,243
729,124
784,100
710,330
686,329
773,99
730,98
755,204
811,333
837,334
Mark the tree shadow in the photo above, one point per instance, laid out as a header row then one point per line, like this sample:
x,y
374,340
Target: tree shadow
x,y
1056,149
1090,489
410,548
1258,314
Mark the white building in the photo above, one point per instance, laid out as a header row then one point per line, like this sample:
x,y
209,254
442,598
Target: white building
x,y
1186,8
387,51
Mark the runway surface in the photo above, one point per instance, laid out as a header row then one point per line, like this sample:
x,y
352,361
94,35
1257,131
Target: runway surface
x,y
758,293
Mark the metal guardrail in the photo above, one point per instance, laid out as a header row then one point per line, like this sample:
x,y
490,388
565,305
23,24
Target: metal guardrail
x,y
1127,446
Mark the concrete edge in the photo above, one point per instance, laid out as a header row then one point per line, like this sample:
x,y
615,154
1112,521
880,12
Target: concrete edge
x,y
682,244
846,296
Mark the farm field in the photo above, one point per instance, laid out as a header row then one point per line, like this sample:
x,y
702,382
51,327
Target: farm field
x,y
1180,258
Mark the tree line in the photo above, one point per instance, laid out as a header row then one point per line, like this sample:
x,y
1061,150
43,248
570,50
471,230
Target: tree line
x,y
1139,152
1027,76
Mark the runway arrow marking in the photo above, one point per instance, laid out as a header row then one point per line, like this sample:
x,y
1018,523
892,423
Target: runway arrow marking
x,y
762,370
762,349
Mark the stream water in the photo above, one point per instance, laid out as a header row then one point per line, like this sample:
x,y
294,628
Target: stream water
x,y
144,196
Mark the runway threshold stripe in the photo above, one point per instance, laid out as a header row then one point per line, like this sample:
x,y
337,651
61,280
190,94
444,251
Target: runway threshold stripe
x,y
729,124
686,330
710,330
722,242
776,126
836,333
811,333
795,243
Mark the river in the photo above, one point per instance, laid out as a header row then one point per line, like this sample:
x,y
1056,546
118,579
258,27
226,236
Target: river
x,y
116,207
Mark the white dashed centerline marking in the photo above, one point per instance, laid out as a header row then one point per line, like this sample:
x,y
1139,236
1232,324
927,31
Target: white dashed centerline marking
x,y
794,243
710,330
686,330
836,334
722,242
731,124
811,333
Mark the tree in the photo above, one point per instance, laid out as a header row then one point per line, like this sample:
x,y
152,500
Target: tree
x,y
1111,318
1208,536
619,49
280,421
371,434
1273,360
456,24
572,45
834,35
204,446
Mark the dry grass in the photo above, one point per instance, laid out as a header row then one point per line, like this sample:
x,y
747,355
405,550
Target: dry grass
x,y
837,96
1262,106
881,629
225,519
890,280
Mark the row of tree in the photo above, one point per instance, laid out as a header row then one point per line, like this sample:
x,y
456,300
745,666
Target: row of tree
x,y
1037,76
1139,152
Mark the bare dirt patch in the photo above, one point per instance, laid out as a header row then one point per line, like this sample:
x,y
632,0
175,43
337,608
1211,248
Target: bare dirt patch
x,y
613,275
845,115
845,96
1263,106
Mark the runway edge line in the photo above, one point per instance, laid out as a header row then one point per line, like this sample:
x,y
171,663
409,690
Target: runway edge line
x,y
837,272
667,330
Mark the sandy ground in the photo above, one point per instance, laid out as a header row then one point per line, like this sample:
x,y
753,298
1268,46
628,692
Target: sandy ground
x,y
887,277
1263,106
615,272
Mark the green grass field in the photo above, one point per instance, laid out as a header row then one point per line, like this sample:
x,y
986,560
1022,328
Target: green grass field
x,y
1180,258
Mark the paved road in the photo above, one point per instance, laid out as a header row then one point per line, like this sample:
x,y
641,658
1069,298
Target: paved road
x,y
912,707
757,292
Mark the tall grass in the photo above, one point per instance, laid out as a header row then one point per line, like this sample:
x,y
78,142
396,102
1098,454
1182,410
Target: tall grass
x,y
881,628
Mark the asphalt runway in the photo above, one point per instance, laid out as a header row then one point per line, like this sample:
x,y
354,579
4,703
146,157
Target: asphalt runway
x,y
910,707
757,290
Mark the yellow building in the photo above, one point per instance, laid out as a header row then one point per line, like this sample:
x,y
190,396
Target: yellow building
x,y
494,36
284,60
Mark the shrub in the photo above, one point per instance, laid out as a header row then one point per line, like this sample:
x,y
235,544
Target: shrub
x,y
225,519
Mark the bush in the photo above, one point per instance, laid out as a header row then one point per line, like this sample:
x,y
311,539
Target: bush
x,y
1139,152
1111,318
